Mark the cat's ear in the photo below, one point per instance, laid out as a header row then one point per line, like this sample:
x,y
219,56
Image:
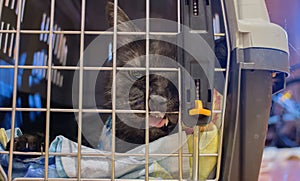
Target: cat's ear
x,y
123,21
128,48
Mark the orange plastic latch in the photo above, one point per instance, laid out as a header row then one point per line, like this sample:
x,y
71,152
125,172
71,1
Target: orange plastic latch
x,y
199,110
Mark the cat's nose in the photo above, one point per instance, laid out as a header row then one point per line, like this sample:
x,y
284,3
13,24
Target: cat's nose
x,y
157,103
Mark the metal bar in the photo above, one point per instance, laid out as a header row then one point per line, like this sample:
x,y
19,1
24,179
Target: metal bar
x,y
2,172
128,111
209,154
73,110
7,66
31,109
73,32
221,131
163,69
14,97
6,109
91,154
118,68
32,67
97,110
195,154
164,33
119,33
180,168
48,99
73,179
99,32
113,146
150,69
147,90
80,99
90,68
57,154
83,110
97,68
173,112
131,33
178,16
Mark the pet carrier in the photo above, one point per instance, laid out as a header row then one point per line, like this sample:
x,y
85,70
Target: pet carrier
x,y
259,54
71,72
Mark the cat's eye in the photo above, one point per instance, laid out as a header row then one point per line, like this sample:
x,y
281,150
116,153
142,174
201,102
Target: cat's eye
x,y
135,74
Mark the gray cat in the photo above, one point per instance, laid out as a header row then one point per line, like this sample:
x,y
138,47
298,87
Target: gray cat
x,y
131,87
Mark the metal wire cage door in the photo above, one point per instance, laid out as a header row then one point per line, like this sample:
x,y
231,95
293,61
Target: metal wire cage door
x,y
72,72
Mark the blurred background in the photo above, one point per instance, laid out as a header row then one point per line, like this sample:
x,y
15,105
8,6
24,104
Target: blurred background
x,y
281,161
285,113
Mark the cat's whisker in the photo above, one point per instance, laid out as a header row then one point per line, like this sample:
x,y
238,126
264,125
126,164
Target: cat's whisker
x,y
167,121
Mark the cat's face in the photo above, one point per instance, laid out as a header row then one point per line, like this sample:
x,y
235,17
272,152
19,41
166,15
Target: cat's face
x,y
131,86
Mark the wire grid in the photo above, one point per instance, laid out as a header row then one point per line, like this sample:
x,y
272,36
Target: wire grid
x,y
50,67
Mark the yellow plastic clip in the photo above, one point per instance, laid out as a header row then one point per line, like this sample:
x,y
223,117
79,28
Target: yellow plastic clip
x,y
199,110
